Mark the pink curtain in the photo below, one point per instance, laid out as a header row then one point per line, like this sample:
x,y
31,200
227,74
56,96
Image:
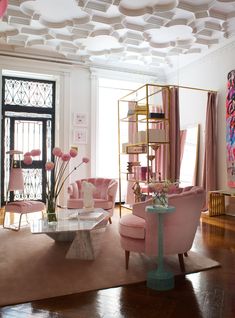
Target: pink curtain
x,y
183,134
130,198
209,178
170,169
174,134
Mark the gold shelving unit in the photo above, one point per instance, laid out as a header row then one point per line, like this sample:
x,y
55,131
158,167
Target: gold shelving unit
x,y
143,129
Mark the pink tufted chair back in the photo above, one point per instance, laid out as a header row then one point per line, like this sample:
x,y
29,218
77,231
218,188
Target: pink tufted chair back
x,y
104,194
101,187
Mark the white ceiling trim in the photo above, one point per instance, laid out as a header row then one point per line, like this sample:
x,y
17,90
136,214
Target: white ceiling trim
x,y
126,32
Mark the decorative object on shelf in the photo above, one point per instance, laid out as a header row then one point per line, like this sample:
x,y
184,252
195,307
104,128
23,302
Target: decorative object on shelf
x,y
157,135
160,190
140,110
59,167
155,147
156,115
137,172
152,173
136,149
140,136
139,196
144,173
129,166
133,168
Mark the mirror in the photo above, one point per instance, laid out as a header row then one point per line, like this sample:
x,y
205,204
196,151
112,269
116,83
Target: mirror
x,y
189,143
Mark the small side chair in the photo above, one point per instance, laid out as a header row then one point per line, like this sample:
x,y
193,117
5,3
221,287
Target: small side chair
x,y
16,184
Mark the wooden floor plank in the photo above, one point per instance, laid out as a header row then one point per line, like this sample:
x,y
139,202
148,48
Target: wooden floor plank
x,y
209,294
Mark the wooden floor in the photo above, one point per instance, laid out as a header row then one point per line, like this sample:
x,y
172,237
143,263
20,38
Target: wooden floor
x,y
208,294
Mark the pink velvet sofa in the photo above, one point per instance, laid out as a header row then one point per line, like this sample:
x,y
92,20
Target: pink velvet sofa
x,y
104,194
138,230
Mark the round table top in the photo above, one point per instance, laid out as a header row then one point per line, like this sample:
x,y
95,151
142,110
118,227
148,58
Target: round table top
x,y
159,209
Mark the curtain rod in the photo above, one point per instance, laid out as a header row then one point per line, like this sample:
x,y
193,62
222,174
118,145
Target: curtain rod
x,y
194,88
143,86
169,86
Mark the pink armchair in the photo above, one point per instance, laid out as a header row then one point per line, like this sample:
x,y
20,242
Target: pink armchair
x,y
138,231
104,194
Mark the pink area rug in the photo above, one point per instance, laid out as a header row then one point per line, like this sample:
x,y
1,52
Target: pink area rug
x,y
34,267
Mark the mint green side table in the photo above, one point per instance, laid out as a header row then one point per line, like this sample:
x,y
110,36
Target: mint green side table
x,y
160,279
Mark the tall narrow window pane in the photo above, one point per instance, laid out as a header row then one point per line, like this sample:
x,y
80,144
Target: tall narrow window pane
x,y
107,151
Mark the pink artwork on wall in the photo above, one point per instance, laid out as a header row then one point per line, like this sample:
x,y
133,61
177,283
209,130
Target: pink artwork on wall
x,y
80,136
230,129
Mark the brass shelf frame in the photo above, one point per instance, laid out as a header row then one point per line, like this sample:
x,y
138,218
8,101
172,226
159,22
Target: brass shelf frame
x,y
141,117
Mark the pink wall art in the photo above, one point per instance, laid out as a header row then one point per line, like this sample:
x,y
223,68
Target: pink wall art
x,y
230,129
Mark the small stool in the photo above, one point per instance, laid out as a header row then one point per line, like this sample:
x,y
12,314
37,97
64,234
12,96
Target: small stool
x,y
216,204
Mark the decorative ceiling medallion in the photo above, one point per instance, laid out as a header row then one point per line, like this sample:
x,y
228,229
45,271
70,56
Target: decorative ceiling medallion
x,y
141,7
111,31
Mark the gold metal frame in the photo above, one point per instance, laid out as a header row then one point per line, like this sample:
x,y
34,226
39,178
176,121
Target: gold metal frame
x,y
130,97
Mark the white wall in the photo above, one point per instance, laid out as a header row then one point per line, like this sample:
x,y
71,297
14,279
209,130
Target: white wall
x,y
75,93
72,95
193,112
211,72
80,102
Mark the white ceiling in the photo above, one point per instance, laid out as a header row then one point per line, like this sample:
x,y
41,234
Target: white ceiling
x,y
145,35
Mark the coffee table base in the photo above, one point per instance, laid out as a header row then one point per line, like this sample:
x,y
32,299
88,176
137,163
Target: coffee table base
x,y
84,234
86,245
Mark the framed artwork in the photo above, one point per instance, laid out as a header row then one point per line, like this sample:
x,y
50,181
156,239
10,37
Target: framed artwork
x,y
80,119
230,129
80,136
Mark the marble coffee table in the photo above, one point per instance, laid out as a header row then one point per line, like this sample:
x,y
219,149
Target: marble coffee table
x,y
85,234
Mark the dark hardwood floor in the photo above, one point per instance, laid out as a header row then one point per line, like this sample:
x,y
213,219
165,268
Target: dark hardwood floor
x,y
208,294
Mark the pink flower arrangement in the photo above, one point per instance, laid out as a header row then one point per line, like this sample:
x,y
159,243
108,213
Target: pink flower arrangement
x,y
28,156
49,166
160,190
59,167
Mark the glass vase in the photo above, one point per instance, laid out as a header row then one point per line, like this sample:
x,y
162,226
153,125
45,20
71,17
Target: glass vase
x,y
51,210
160,200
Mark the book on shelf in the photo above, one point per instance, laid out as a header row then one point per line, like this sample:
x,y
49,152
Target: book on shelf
x,y
91,216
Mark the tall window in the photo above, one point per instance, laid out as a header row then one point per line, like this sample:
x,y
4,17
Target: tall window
x,y
107,151
28,121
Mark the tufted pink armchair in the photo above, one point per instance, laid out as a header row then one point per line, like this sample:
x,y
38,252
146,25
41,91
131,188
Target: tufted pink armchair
x,y
138,230
104,194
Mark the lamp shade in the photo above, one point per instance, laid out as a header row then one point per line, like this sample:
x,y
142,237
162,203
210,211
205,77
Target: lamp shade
x,y
3,7
16,181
